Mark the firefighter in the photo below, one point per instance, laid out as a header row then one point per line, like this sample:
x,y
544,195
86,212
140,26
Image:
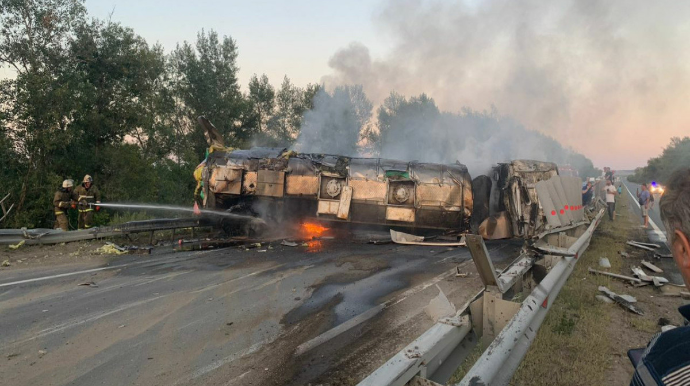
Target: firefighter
x,y
63,199
87,195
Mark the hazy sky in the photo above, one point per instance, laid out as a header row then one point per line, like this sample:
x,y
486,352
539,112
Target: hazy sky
x,y
609,79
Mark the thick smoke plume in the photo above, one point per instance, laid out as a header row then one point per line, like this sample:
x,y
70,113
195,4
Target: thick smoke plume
x,y
605,78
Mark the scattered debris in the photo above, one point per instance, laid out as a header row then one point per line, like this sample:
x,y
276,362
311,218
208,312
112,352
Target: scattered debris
x,y
229,323
667,327
651,267
617,276
460,274
380,242
323,238
623,254
261,250
604,299
13,355
408,239
122,326
650,245
6,263
645,247
620,300
657,280
629,298
439,307
289,243
16,246
660,256
110,249
604,262
305,244
41,353
88,284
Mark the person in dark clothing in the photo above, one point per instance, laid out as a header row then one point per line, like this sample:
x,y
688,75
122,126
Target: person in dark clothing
x,y
666,359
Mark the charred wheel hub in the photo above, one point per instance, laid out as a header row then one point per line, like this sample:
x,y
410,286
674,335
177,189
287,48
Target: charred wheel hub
x,y
401,194
333,188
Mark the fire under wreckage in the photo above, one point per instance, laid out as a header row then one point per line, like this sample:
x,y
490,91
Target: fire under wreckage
x,y
277,182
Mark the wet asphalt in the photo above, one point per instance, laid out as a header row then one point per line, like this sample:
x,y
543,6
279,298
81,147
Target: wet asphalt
x,y
210,317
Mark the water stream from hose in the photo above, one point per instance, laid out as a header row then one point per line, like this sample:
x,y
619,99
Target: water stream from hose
x,y
174,208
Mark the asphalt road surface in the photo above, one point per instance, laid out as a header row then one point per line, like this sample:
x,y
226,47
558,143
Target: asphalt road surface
x,y
330,313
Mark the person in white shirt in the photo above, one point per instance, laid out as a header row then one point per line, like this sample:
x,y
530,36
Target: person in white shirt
x,y
611,193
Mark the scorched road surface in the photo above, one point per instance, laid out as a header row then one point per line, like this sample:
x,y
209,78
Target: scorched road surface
x,y
328,313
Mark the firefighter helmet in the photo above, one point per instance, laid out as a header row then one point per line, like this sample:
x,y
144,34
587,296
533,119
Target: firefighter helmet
x,y
87,178
67,183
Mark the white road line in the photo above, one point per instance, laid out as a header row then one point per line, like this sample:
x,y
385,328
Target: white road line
x,y
655,228
237,278
95,270
65,326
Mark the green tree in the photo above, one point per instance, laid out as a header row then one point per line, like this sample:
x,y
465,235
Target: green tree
x,y
674,156
262,96
205,83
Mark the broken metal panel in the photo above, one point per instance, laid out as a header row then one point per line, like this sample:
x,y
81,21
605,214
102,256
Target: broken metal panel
x,y
480,256
548,205
270,183
556,181
496,227
344,205
394,213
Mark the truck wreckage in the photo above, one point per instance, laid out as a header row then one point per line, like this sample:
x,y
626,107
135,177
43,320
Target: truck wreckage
x,y
278,182
521,199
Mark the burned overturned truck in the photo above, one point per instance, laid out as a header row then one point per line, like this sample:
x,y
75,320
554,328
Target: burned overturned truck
x,y
337,188
277,182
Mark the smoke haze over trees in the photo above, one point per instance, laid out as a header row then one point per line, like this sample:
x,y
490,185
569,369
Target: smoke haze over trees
x,y
93,97
583,72
675,156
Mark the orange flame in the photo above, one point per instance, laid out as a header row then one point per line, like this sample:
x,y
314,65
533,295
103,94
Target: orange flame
x,y
311,230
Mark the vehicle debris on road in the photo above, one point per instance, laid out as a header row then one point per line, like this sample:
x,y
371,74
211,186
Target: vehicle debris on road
x,y
16,246
88,284
657,280
604,262
620,300
633,280
408,239
623,254
642,246
289,243
651,267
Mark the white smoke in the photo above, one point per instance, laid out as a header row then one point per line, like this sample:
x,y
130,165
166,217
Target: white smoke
x,y
583,72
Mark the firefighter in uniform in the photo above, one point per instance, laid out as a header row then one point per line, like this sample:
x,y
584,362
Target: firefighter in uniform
x,y
87,195
63,199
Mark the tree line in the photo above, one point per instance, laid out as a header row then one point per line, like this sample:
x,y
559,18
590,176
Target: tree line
x,y
659,169
92,97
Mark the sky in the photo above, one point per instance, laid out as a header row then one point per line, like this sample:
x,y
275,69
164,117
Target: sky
x,y
608,79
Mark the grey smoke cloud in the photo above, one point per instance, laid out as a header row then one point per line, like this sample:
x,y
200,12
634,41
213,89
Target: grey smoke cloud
x,y
595,75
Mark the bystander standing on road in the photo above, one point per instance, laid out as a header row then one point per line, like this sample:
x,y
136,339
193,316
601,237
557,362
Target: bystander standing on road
x,y
666,360
611,193
643,199
587,192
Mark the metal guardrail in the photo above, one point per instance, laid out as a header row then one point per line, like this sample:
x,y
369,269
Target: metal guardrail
x,y
509,326
55,236
498,363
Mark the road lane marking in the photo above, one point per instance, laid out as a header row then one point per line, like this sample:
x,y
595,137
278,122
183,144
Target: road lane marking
x,y
164,260
655,228
94,317
237,278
